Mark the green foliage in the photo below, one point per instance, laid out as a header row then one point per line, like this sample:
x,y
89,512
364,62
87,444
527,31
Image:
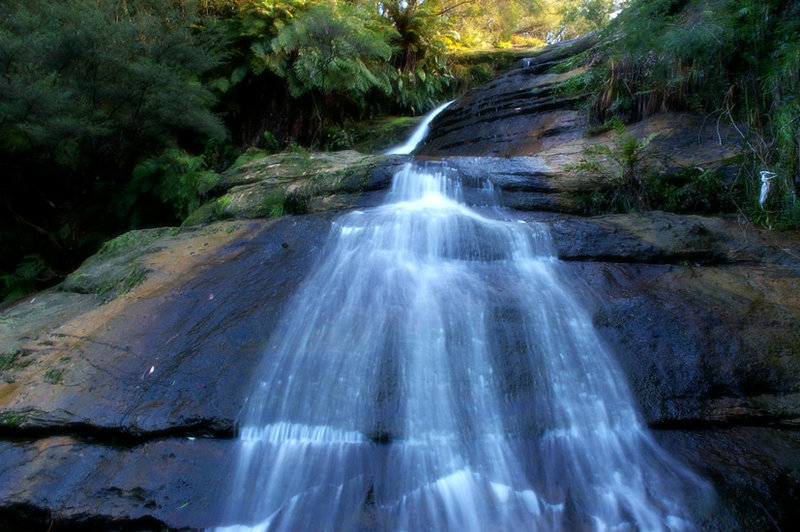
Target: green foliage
x,y
174,178
252,29
736,60
579,17
571,63
278,203
75,75
220,208
90,90
338,136
691,191
620,171
271,144
626,181
573,87
295,202
31,272
335,50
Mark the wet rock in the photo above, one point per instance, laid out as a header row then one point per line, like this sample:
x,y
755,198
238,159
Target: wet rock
x,y
64,483
118,414
266,186
702,345
519,108
531,113
756,470
120,390
172,354
660,237
118,266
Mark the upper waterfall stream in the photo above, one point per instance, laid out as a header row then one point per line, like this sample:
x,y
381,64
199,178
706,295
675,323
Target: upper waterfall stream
x,y
419,133
434,373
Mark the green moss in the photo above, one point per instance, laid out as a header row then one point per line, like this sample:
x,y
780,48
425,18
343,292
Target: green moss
x,y
571,63
54,375
116,287
573,87
10,420
19,418
136,277
378,135
14,359
252,154
133,240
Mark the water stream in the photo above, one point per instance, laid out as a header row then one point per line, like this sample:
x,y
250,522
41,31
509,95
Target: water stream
x,y
434,373
419,132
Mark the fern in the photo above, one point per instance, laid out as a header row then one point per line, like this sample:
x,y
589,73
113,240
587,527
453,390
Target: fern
x,y
620,170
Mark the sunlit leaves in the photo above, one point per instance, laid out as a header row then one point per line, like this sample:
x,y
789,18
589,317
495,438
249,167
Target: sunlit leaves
x,y
334,49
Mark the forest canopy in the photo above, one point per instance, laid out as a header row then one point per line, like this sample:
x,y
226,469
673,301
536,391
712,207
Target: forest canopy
x,y
119,114
116,114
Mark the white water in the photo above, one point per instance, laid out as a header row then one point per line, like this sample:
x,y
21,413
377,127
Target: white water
x,y
434,373
419,133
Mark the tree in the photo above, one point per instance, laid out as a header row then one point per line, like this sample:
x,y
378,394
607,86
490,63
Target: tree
x,y
579,17
88,89
333,49
335,52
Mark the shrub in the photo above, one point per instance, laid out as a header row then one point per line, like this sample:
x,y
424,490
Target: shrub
x,y
735,60
620,172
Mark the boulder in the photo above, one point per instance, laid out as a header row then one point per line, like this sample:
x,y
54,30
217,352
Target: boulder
x,y
297,183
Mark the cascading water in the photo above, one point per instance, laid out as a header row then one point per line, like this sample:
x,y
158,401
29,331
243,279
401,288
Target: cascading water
x,y
418,134
433,373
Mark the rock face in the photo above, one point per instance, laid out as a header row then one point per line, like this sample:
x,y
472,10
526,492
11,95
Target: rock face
x,y
517,113
120,414
120,389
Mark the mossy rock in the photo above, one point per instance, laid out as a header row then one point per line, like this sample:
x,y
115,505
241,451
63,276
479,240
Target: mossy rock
x,y
379,135
117,267
294,183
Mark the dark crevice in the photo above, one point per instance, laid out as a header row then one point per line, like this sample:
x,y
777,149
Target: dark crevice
x,y
528,187
699,259
694,424
24,517
120,437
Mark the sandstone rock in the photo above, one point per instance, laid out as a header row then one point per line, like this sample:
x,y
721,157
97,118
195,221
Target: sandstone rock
x,y
163,484
756,471
659,237
172,355
119,414
119,391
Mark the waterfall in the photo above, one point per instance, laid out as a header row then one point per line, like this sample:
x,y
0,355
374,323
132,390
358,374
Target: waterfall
x,y
435,373
419,133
